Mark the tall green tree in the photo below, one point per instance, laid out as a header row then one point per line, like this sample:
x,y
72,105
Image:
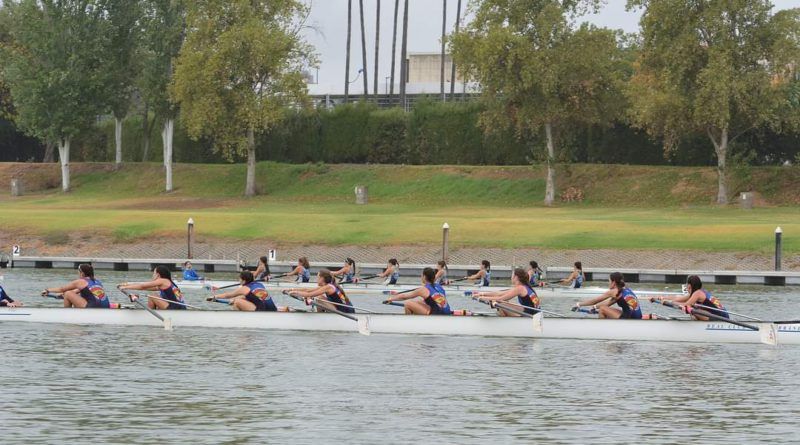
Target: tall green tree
x,y
163,28
538,71
54,68
717,68
240,66
125,17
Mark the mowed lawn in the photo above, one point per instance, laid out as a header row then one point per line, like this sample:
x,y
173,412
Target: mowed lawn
x,y
489,207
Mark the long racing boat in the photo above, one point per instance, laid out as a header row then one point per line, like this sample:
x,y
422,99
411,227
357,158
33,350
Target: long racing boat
x,y
386,323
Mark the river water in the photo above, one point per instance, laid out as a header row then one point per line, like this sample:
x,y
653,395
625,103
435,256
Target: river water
x,y
90,384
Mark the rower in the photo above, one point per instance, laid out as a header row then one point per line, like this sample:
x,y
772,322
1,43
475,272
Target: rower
x,y
434,299
251,296
84,292
346,273
617,293
262,271
167,290
328,292
695,294
190,274
6,300
521,288
535,275
301,271
441,273
484,275
576,278
391,273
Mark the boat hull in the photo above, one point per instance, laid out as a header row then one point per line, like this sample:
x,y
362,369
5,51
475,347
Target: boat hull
x,y
490,326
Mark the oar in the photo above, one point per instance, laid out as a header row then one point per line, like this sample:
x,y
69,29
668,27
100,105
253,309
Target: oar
x,y
363,322
471,293
174,302
394,292
457,280
768,331
368,277
166,321
537,318
394,303
52,295
703,306
111,304
354,307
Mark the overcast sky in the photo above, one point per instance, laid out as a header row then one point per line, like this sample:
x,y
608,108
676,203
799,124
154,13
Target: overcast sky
x,y
329,34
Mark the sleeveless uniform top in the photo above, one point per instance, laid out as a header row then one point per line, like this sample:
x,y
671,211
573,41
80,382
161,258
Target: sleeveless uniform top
x,y
304,276
487,277
259,296
172,293
94,294
531,301
578,282
442,279
535,277
262,276
629,304
394,276
338,296
714,302
437,300
349,276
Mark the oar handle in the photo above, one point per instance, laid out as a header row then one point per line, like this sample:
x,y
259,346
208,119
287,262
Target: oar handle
x,y
394,303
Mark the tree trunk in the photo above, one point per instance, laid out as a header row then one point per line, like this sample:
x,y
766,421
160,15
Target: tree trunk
x,y
49,152
145,133
347,57
118,142
444,31
250,184
363,50
166,137
721,148
403,55
550,189
394,45
63,155
377,43
453,63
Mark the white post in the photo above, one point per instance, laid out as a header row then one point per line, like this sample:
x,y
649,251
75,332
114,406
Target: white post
x,y
190,235
63,154
778,242
166,138
445,241
118,141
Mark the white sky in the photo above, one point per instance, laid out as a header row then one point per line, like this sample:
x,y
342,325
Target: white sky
x,y
329,20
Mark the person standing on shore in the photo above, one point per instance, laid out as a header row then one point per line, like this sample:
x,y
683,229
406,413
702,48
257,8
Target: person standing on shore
x,y
576,278
302,271
84,292
346,273
169,294
190,274
484,275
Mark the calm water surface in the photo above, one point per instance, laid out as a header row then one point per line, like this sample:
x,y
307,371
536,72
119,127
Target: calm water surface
x,y
89,384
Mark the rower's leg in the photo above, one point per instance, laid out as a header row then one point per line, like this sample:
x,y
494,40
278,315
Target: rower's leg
x,y
504,313
74,299
240,304
609,312
417,308
152,303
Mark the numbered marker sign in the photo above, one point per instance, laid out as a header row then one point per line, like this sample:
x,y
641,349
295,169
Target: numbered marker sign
x,y
273,254
15,250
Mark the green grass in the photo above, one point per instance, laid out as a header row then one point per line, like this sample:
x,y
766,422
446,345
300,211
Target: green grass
x,y
625,207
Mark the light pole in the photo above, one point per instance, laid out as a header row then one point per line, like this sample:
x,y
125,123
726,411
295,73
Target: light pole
x,y
445,240
189,236
778,242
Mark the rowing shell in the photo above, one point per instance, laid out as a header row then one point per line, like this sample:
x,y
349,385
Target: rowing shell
x,y
554,328
454,289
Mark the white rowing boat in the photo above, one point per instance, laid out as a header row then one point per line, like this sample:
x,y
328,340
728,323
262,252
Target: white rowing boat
x,y
452,290
493,326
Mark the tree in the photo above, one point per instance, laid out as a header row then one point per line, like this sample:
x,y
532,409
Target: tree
x,y
394,44
347,51
54,69
403,56
377,54
363,50
124,17
240,66
444,43
162,36
538,72
715,68
453,63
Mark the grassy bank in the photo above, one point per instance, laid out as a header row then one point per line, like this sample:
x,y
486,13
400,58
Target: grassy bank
x,y
622,207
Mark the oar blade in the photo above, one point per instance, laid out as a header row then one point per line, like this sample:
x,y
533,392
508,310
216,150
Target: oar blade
x,y
537,322
769,333
167,324
363,325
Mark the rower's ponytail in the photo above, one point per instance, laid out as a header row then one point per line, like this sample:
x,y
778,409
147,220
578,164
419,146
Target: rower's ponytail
x,y
619,280
486,264
265,262
304,261
443,264
247,277
429,274
326,275
87,270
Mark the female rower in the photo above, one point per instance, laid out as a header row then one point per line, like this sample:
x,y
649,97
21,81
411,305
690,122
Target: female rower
x,y
5,300
617,293
262,271
302,271
697,295
251,296
328,295
190,274
575,279
521,288
169,295
535,275
434,299
484,275
391,273
86,291
441,273
347,273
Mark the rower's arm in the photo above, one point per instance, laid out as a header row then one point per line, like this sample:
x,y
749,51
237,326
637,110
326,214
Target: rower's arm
x,y
573,276
500,296
308,293
690,300
420,292
338,272
77,284
241,291
386,272
480,274
294,272
150,285
607,295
